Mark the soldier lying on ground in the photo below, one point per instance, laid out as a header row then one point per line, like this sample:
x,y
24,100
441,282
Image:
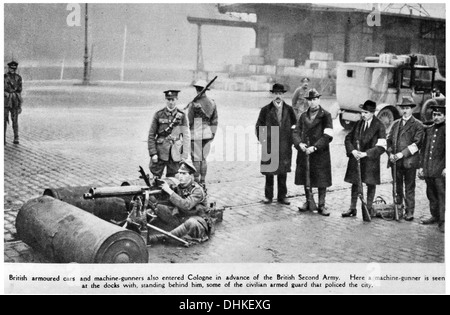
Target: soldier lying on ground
x,y
187,215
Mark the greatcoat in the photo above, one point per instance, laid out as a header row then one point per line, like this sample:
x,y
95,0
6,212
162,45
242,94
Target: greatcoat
x,y
373,142
319,161
268,119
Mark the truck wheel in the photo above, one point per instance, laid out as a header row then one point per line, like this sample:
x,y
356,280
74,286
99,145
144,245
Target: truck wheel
x,y
347,124
387,118
426,112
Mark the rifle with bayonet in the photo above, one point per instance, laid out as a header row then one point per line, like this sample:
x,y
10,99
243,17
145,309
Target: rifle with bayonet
x,y
200,94
365,211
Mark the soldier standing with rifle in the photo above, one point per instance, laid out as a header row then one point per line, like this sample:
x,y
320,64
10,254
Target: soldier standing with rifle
x,y
203,121
12,99
168,138
403,144
370,134
312,136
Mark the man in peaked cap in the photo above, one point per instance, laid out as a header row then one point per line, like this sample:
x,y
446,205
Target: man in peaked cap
x,y
187,215
371,134
12,99
203,121
274,132
433,167
299,102
403,144
312,136
168,138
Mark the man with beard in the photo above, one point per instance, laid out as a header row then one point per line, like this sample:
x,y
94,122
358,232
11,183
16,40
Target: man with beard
x,y
312,136
433,167
274,132
371,134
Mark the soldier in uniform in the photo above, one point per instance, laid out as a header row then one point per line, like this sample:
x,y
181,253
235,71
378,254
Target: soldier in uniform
x,y
168,138
12,99
433,167
403,144
203,121
371,133
299,102
187,215
316,127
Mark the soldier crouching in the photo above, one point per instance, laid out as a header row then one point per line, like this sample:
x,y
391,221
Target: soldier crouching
x,y
187,215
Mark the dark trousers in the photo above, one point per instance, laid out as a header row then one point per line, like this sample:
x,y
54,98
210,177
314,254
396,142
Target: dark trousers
x,y
14,119
281,183
371,190
406,177
436,196
157,169
322,194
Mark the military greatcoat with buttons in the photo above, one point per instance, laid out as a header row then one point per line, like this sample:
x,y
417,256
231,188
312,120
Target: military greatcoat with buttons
x,y
166,143
433,152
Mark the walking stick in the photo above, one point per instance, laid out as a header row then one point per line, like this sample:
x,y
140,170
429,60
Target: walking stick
x,y
365,211
309,198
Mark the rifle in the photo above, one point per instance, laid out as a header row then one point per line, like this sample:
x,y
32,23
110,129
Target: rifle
x,y
168,234
365,211
394,191
144,176
201,92
309,198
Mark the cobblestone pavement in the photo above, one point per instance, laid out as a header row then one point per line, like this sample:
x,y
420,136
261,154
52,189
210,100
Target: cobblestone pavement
x,y
81,136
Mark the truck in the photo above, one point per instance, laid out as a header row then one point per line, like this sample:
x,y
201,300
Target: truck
x,y
385,79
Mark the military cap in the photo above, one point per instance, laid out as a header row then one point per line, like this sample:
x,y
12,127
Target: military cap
x,y
200,84
407,101
438,108
306,79
13,64
368,106
187,166
313,94
171,93
277,88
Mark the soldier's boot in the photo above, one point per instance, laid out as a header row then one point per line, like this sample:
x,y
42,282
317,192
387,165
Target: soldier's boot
x,y
155,238
180,230
354,199
322,209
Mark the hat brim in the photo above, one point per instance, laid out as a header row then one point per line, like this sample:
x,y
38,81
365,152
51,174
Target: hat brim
x,y
200,87
311,98
405,105
275,91
367,110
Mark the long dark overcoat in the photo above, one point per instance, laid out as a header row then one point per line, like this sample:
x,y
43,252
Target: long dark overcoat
x,y
373,142
319,161
267,119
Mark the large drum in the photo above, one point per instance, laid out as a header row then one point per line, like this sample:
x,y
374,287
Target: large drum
x,y
64,233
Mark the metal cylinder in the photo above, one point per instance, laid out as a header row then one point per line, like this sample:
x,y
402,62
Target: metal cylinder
x,y
65,233
111,208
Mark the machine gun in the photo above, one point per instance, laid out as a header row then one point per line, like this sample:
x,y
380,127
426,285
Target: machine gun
x,y
142,208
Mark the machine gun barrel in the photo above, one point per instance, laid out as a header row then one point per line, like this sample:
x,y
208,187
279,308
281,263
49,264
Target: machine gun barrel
x,y
119,191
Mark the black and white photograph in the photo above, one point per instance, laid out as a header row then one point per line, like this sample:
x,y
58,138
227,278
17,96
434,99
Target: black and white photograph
x,y
224,148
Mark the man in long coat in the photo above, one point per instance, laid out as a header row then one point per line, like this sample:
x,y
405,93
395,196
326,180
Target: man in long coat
x,y
403,144
371,134
299,102
274,132
312,136
168,138
433,167
12,99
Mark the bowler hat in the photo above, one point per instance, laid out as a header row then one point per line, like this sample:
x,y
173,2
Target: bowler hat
x,y
313,94
171,94
277,88
368,106
407,101
187,166
200,84
13,64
